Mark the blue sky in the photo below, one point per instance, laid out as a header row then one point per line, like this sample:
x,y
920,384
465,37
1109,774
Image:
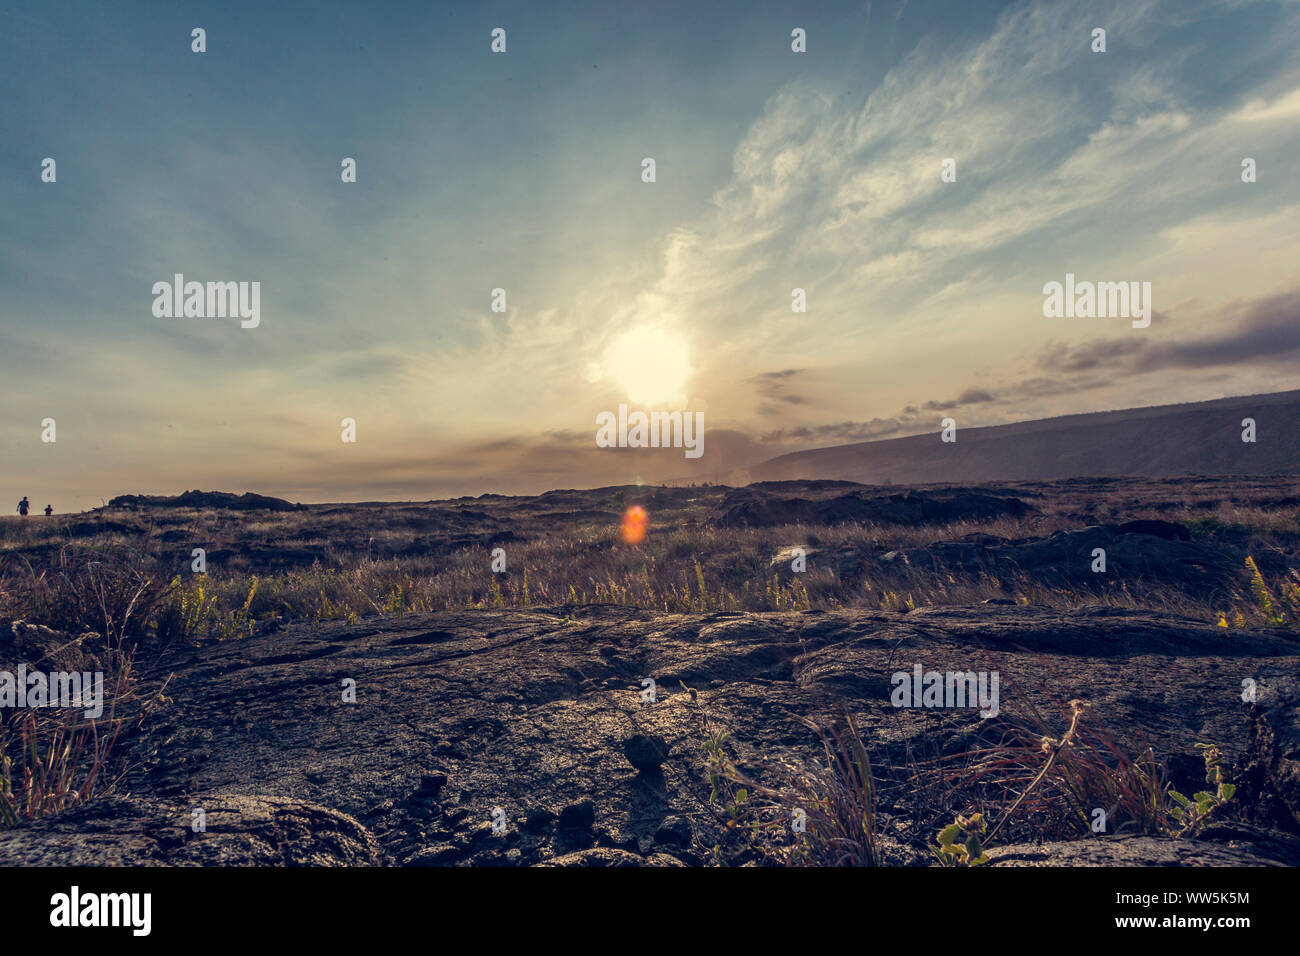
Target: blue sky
x,y
522,171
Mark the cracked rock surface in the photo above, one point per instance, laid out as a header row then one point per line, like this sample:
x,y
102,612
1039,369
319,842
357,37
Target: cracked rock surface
x,y
520,737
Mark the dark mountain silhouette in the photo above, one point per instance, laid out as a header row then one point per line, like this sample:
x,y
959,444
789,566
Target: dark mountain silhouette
x,y
248,501
1200,438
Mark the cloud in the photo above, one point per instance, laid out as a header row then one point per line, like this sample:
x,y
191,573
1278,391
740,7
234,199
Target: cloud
x,y
772,386
1264,330
972,396
1066,159
845,432
922,295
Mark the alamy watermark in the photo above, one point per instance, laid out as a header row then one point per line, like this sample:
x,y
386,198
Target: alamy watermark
x,y
212,300
69,689
75,909
651,430
1098,300
923,688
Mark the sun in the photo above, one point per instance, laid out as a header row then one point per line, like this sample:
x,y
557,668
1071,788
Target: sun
x,y
651,363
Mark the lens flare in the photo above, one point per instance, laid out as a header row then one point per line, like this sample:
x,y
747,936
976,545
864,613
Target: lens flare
x,y
635,522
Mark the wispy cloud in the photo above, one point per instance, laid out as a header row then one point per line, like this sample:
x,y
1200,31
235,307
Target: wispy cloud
x,y
776,171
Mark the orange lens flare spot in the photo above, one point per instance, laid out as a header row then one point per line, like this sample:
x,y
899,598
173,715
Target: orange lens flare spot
x,y
635,522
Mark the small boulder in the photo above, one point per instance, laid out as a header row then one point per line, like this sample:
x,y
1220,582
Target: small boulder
x,y
1169,530
431,784
538,819
645,751
578,816
674,831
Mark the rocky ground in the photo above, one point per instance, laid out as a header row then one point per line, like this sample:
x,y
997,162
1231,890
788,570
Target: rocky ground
x,y
498,716
535,717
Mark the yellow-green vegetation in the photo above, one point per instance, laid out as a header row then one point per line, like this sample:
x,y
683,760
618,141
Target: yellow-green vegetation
x,y
1190,813
962,843
1265,607
731,798
125,573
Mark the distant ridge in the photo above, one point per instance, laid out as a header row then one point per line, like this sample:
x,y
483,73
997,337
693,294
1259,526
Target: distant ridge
x,y
248,501
1198,438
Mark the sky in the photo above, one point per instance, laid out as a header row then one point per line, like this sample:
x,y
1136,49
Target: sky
x,y
523,170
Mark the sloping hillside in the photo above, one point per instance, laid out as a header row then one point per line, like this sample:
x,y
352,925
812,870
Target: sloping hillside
x,y
1202,438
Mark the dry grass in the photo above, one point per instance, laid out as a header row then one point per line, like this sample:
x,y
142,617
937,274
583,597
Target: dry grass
x,y
123,580
132,578
52,759
1059,776
815,813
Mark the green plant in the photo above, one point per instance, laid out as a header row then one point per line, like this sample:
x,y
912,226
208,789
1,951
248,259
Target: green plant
x,y
962,843
1190,814
728,790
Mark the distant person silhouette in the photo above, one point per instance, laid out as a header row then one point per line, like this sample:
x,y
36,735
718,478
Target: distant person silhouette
x,y
23,506
49,510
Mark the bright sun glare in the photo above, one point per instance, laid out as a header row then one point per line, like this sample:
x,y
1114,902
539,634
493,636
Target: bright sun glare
x,y
651,364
